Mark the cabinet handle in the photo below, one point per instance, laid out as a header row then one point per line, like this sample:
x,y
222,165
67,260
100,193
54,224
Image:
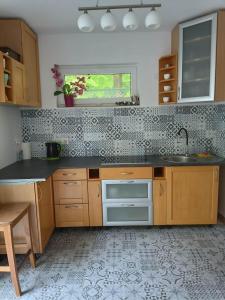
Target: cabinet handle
x,y
69,174
70,183
161,189
72,206
178,93
99,190
126,173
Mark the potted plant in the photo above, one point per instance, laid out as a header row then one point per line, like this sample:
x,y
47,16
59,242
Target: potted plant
x,y
69,90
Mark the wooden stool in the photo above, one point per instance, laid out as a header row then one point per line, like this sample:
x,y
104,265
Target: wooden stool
x,y
10,215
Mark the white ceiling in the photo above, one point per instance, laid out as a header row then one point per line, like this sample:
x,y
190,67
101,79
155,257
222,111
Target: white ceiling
x,y
55,16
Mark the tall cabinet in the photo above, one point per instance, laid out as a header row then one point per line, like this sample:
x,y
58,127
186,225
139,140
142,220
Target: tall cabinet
x,y
200,45
17,35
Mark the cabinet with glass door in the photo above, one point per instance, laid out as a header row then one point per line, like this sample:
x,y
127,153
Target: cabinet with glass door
x,y
200,45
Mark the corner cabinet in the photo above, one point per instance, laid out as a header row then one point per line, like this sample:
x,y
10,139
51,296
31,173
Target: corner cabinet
x,y
16,35
192,195
200,45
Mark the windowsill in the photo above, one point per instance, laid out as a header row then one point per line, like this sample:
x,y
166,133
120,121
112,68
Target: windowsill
x,y
100,106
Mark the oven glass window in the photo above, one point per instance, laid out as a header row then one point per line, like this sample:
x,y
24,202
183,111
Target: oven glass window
x,y
127,214
127,191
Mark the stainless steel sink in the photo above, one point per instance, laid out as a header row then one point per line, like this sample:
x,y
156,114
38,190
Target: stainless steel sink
x,y
179,159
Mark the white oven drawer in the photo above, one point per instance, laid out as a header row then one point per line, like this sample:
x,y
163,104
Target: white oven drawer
x,y
123,214
120,191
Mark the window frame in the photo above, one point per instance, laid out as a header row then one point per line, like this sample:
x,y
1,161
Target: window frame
x,y
100,69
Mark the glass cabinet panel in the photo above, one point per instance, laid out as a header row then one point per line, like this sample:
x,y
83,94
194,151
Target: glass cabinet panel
x,y
197,59
127,214
127,191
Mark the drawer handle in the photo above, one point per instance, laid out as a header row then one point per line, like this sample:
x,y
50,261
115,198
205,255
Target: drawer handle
x,y
70,183
126,173
72,206
69,174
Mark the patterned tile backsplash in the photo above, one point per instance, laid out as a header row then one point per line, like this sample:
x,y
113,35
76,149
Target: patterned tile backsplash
x,y
126,131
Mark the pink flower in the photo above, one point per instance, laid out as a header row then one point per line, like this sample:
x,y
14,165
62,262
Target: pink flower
x,y
59,82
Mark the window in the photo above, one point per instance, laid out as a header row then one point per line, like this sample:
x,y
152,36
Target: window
x,y
105,85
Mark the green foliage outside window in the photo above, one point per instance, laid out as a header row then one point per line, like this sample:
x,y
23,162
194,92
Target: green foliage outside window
x,y
104,85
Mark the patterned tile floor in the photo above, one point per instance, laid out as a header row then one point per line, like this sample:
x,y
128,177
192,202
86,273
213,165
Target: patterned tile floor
x,y
127,264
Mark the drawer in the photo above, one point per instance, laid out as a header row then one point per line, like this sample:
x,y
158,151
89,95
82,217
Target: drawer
x,y
126,173
74,191
73,215
70,174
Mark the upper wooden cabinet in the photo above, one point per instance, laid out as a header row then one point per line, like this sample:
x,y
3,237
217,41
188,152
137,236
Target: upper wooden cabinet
x,y
16,35
192,195
200,45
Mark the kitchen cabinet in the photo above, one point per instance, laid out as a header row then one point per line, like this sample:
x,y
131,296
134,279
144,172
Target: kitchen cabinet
x,y
15,34
71,197
126,173
12,91
39,195
200,45
95,202
160,202
192,195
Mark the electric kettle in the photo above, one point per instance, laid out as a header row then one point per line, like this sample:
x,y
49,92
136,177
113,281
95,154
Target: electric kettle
x,y
53,150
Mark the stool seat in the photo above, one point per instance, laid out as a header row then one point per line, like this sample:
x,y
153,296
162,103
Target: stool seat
x,y
10,215
11,212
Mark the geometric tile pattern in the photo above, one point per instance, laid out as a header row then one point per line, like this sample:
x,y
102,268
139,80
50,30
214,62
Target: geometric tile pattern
x,y
127,131
133,263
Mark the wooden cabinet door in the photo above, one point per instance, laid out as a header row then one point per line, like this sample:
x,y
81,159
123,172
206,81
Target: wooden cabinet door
x,y
31,62
45,211
18,83
95,203
159,204
192,195
72,215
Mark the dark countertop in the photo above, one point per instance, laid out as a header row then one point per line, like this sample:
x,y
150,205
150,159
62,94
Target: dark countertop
x,y
40,169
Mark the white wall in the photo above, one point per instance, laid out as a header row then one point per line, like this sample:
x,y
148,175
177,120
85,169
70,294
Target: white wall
x,y
10,132
144,49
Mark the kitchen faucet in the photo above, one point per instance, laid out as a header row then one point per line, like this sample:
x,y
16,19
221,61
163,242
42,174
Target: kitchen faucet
x,y
186,133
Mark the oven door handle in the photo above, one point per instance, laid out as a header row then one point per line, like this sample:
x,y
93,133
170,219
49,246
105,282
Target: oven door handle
x,y
128,205
129,181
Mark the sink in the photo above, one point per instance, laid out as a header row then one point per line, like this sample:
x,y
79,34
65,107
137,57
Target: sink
x,y
179,159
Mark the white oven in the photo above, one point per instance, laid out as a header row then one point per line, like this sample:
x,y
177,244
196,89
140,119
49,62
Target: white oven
x,y
127,202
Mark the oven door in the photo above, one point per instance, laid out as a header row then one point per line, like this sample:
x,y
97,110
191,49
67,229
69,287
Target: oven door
x,y
120,214
122,191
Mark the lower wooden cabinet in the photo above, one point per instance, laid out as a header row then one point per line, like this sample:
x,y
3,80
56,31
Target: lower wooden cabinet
x,y
39,195
95,203
159,202
72,215
192,195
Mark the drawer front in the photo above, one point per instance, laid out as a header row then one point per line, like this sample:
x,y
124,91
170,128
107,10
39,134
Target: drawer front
x,y
70,174
71,190
126,173
73,215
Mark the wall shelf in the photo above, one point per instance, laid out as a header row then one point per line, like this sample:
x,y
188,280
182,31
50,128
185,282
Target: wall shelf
x,y
168,65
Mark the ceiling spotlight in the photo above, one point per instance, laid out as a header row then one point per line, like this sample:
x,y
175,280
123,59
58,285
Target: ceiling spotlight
x,y
130,21
85,22
152,20
108,21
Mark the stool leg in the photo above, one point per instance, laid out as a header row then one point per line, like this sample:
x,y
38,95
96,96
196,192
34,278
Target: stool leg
x,y
29,241
11,258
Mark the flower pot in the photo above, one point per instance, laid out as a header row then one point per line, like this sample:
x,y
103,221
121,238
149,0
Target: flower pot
x,y
69,100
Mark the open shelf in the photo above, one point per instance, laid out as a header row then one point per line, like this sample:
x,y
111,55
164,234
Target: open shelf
x,y
168,65
167,68
167,80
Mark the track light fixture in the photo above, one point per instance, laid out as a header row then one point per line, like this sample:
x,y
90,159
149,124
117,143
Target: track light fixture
x,y
108,21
